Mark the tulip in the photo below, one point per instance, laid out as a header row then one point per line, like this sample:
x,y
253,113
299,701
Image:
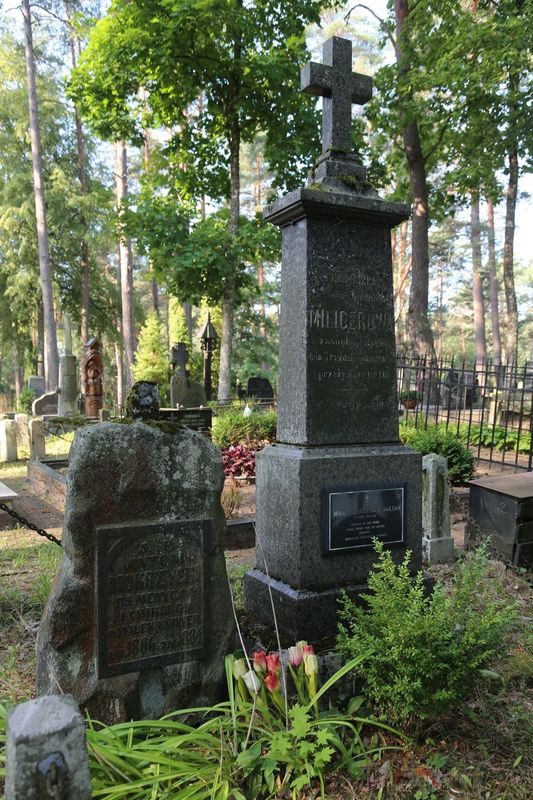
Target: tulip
x,y
253,684
239,668
295,656
310,664
273,662
260,661
302,643
311,674
272,682
308,650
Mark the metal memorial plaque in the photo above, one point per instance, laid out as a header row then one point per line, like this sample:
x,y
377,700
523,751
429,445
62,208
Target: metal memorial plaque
x,y
151,594
352,516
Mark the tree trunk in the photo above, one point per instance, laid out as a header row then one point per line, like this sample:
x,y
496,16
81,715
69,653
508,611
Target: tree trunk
x,y
421,335
154,288
51,363
126,269
19,376
493,287
228,301
477,280
511,338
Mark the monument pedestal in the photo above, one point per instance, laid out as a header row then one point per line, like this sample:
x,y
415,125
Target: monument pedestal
x,y
318,511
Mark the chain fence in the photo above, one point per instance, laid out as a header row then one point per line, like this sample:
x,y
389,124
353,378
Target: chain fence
x,y
27,524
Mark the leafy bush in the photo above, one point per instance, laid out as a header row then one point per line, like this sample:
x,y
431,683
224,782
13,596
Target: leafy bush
x,y
495,436
25,401
427,651
255,431
436,440
239,461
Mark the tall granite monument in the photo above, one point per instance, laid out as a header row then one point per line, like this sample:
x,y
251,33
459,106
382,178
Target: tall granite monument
x,y
68,375
338,476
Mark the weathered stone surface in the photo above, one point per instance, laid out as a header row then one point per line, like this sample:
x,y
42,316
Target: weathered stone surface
x,y
37,440
36,383
23,431
293,479
44,733
437,542
139,619
142,401
47,403
68,383
8,440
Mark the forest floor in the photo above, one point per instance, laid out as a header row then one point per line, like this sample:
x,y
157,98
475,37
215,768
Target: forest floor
x,y
482,752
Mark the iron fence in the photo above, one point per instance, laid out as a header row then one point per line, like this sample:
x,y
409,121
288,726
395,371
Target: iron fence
x,y
488,406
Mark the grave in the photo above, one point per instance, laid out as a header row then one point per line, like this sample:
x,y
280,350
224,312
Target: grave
x,y
68,376
139,618
338,475
501,509
8,440
437,541
46,405
36,384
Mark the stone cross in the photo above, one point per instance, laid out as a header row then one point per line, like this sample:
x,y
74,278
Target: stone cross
x,y
340,87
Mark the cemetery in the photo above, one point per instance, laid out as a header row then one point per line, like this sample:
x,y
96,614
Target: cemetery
x,y
260,536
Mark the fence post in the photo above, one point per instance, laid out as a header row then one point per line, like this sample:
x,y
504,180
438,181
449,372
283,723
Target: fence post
x,y
46,752
37,440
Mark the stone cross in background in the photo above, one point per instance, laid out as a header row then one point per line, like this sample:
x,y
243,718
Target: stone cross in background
x,y
340,87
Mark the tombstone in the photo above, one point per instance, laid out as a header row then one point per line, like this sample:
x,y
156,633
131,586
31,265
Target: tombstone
x,y
104,415
501,509
338,476
23,431
193,395
46,405
184,392
93,372
36,383
142,401
139,619
260,389
37,440
8,440
68,376
437,541
46,752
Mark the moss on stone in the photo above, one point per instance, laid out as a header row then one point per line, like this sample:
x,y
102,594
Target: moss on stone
x,y
358,184
162,425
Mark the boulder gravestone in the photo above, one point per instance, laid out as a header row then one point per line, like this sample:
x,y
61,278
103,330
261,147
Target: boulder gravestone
x,y
338,475
139,619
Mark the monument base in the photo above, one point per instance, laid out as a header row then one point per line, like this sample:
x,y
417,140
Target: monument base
x,y
438,551
300,613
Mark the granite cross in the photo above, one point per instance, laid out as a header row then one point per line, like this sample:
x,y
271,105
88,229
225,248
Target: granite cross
x,y
340,87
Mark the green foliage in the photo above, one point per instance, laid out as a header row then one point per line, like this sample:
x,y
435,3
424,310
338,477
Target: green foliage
x,y
232,427
435,440
235,750
496,436
151,363
409,394
427,651
25,401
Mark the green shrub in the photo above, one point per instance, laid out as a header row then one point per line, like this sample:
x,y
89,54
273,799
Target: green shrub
x,y
25,401
232,427
427,650
436,440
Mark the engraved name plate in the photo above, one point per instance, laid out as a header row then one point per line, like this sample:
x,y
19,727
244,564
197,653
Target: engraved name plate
x,y
151,594
353,516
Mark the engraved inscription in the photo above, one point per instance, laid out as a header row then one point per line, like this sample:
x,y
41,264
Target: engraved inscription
x,y
151,594
353,517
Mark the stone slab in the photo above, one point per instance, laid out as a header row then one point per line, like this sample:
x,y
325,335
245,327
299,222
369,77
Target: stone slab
x,y
519,486
138,477
337,373
68,382
7,495
47,403
438,550
8,441
290,513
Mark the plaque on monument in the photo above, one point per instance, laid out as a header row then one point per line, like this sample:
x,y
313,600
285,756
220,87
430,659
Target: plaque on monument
x,y
353,516
151,594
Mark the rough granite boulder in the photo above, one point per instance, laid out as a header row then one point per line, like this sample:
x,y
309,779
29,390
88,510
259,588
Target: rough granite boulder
x,y
139,618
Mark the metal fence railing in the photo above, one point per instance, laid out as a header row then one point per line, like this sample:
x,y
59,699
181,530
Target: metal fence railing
x,y
488,406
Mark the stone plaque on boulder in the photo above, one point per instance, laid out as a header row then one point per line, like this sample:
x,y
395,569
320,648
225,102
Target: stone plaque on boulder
x,y
139,619
142,571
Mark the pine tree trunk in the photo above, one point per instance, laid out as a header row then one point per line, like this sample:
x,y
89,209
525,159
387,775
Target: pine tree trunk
x,y
477,281
511,338
51,363
126,270
228,301
493,287
421,335
82,175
